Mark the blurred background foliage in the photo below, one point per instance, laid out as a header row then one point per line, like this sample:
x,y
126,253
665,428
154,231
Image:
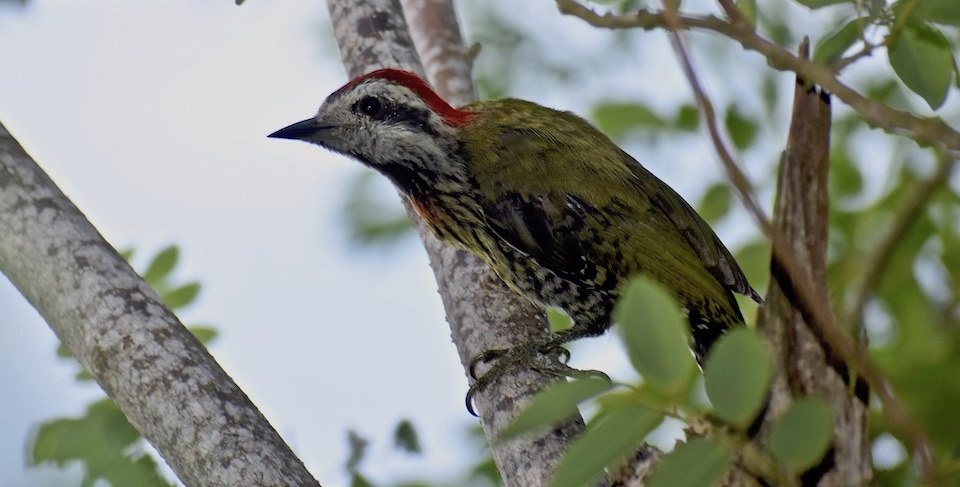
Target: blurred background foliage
x,y
894,254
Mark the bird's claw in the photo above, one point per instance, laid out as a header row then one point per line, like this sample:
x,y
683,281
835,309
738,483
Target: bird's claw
x,y
521,353
551,360
485,357
472,391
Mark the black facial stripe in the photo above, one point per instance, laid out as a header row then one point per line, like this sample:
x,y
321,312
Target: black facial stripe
x,y
413,117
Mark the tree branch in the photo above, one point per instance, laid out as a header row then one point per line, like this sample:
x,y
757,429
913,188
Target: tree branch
x,y
436,34
926,131
812,303
482,312
157,373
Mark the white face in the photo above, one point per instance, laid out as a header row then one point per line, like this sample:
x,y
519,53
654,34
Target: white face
x,y
381,122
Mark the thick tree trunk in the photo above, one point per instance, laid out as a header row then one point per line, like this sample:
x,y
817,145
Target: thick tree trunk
x,y
157,373
482,312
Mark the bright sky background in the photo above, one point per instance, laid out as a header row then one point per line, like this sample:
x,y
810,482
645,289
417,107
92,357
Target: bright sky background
x,y
152,117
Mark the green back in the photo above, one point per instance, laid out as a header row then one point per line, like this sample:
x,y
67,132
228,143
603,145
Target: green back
x,y
632,221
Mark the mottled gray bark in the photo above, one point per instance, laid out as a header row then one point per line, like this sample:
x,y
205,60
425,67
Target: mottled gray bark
x,y
803,365
482,312
157,373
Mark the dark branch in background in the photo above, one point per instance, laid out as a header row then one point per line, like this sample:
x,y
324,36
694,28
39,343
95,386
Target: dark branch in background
x,y
877,261
926,131
157,373
809,301
482,312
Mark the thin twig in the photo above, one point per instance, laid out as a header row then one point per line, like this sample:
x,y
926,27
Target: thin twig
x,y
877,261
926,131
734,13
822,319
865,51
841,64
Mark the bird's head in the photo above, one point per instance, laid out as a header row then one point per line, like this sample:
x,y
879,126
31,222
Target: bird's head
x,y
384,118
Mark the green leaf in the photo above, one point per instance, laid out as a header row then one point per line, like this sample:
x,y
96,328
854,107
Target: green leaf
x,y
655,333
716,202
63,351
771,93
699,462
845,177
923,61
358,480
181,296
617,119
127,254
357,448
821,3
801,436
754,260
688,118
370,218
103,440
737,376
64,440
405,437
370,227
831,48
161,265
749,10
950,253
742,129
607,440
83,376
938,11
205,334
556,403
558,320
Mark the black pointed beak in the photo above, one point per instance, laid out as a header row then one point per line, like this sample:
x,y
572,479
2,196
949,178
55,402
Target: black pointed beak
x,y
302,130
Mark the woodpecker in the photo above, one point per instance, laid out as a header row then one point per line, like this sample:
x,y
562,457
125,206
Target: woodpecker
x,y
559,212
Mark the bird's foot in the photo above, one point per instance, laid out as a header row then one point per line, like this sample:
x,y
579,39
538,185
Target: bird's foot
x,y
549,358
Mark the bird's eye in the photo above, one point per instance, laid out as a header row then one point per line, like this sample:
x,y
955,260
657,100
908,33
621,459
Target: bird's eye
x,y
370,106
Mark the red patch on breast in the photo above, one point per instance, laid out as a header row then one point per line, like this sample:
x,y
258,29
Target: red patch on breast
x,y
427,212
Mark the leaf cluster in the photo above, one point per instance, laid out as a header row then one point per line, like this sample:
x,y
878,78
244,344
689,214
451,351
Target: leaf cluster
x,y
912,31
736,378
